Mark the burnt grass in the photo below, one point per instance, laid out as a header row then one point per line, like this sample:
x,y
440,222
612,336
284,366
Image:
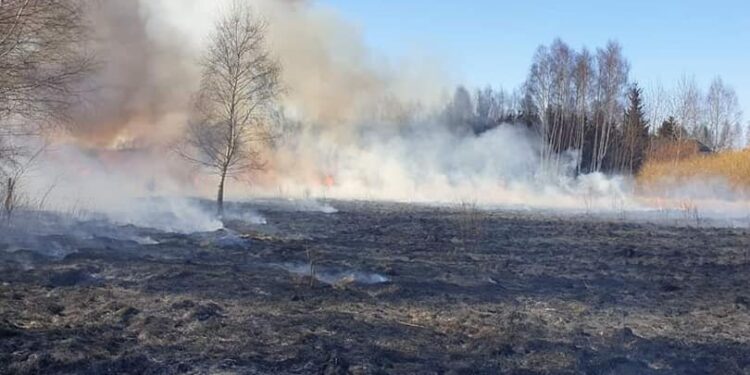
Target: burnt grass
x,y
451,291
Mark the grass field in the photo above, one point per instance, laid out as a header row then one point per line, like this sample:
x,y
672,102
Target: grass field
x,y
730,166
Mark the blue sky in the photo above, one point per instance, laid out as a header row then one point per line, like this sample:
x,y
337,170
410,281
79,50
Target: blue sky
x,y
492,42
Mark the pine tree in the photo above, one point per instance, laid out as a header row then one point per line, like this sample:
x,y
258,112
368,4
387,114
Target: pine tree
x,y
668,129
635,132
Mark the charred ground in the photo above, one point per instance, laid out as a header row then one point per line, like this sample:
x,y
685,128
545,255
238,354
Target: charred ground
x,y
399,289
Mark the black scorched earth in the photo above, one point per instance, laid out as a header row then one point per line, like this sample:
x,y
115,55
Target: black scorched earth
x,y
375,289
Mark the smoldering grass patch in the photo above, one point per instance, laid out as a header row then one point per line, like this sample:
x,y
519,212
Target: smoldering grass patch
x,y
333,276
224,239
313,205
245,217
299,204
146,240
178,215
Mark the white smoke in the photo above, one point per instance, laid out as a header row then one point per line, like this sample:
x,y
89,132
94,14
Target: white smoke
x,y
139,187
428,164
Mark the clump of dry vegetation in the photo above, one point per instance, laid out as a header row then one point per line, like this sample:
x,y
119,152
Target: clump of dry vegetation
x,y
730,166
669,150
469,224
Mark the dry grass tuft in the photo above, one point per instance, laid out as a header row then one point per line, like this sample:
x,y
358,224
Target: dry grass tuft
x,y
731,166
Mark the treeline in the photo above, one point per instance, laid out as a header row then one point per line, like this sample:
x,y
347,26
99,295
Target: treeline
x,y
583,101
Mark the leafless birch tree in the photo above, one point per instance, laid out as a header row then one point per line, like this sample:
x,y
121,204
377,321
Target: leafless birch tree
x,y
723,116
240,81
612,76
582,83
687,106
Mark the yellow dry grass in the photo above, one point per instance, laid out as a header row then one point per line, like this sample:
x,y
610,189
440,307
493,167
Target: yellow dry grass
x,y
669,150
731,166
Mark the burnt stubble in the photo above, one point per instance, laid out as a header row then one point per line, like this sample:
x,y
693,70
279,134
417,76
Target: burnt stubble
x,y
378,288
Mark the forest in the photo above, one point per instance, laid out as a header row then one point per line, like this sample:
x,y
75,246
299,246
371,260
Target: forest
x,y
585,102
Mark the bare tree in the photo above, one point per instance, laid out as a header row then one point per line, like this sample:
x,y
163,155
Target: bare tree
x,y
687,106
240,81
42,59
722,116
612,76
562,130
539,90
658,103
583,83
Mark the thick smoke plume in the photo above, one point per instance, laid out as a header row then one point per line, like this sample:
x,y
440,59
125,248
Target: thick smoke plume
x,y
139,93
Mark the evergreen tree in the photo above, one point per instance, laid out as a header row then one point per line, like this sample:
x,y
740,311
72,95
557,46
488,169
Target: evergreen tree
x,y
635,132
459,114
668,129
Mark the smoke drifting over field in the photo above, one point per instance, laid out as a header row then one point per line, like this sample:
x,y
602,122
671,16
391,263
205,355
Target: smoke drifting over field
x,y
354,126
139,93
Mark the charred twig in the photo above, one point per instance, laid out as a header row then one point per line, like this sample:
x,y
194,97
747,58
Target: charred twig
x,y
311,263
411,324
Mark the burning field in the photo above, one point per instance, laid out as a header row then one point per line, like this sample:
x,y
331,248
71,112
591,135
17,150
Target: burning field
x,y
375,288
249,187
